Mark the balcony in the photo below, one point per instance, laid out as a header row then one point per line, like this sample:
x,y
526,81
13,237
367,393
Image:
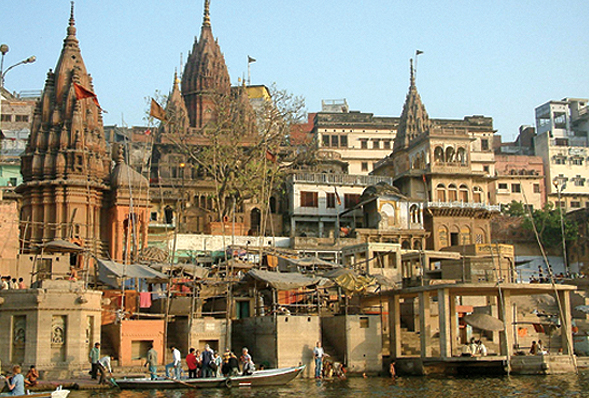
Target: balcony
x,y
340,179
463,205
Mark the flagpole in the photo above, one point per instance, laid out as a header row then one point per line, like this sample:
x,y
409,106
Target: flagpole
x,y
417,52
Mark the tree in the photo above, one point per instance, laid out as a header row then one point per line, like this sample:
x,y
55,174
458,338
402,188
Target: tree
x,y
244,152
548,223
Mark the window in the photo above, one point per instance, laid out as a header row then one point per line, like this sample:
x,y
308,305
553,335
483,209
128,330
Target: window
x,y
376,144
386,144
364,144
579,182
309,199
12,181
153,216
516,188
343,141
351,200
502,186
575,204
577,161
484,144
325,140
536,188
334,141
452,193
6,118
21,118
559,160
486,169
364,166
330,201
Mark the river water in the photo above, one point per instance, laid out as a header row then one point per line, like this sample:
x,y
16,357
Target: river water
x,y
422,387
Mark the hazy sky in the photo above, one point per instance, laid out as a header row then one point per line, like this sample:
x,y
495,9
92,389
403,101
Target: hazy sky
x,y
493,58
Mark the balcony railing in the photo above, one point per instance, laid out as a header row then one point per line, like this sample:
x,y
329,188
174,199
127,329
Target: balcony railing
x,y
463,205
340,179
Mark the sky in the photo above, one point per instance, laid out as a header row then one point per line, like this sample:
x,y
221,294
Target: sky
x,y
495,58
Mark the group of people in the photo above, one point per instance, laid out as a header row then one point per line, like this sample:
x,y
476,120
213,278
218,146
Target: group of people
x,y
17,382
100,365
207,363
537,348
11,283
474,348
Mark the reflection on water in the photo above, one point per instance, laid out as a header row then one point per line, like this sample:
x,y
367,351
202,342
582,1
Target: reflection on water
x,y
519,386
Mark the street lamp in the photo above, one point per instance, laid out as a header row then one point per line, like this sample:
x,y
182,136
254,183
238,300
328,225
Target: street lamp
x,y
559,184
4,49
182,166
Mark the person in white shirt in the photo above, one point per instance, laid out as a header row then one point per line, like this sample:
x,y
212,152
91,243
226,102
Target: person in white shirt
x,y
318,354
481,348
103,367
176,363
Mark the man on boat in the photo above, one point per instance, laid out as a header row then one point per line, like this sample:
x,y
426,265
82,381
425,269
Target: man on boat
x,y
205,359
247,361
151,362
192,363
176,363
16,384
94,357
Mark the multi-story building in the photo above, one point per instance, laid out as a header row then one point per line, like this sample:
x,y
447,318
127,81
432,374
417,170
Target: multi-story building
x,y
519,178
562,143
358,139
448,164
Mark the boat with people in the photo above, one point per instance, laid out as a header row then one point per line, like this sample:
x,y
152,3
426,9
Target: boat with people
x,y
59,392
259,378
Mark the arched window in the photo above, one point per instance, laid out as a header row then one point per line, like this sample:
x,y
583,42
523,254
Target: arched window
x,y
449,154
461,156
441,193
438,154
477,194
452,193
415,214
463,193
406,245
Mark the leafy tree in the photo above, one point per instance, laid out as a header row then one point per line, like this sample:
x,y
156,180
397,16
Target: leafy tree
x,y
547,221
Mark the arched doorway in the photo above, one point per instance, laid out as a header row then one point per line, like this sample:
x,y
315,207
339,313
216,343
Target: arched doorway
x,y
255,219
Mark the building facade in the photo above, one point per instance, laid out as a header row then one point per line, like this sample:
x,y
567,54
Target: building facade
x,y
519,178
562,142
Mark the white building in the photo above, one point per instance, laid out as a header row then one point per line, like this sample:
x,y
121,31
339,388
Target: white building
x,y
562,128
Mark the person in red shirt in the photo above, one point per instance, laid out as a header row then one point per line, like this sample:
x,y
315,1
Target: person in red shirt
x,y
192,363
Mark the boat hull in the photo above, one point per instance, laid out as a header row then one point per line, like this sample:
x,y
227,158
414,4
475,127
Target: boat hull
x,y
262,378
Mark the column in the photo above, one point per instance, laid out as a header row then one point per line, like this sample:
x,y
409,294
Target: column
x,y
454,332
566,329
424,325
395,326
506,315
444,315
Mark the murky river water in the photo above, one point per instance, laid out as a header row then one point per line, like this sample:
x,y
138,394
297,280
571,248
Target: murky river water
x,y
519,386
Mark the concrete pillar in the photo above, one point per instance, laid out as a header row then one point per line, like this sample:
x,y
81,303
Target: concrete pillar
x,y
454,332
424,325
444,317
321,229
395,326
506,315
566,329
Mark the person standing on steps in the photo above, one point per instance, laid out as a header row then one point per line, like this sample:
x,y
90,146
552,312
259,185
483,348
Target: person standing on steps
x,y
318,354
94,357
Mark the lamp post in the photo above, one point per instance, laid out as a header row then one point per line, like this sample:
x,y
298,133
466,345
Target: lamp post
x,y
559,185
180,214
4,49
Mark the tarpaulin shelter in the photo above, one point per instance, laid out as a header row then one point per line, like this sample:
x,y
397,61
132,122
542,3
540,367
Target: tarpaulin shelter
x,y
349,280
280,280
114,274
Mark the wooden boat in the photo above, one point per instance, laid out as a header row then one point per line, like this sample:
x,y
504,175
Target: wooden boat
x,y
260,378
57,393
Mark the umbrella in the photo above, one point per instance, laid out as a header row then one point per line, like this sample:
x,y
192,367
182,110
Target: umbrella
x,y
484,322
583,308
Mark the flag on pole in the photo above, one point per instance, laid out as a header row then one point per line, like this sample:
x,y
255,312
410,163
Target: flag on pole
x,y
417,52
82,92
270,156
339,201
250,59
157,111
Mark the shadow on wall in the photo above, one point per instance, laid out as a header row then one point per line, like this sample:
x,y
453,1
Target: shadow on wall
x,y
307,356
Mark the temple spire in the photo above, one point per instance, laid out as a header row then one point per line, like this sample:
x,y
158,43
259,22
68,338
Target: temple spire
x,y
71,29
412,72
207,18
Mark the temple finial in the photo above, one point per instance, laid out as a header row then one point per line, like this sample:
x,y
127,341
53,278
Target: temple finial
x,y
412,81
71,29
207,18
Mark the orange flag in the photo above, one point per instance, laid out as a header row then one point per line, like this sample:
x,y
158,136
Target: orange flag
x,y
82,92
157,111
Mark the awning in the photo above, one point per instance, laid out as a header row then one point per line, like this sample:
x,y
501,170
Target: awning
x,y
484,322
281,280
350,281
61,246
110,273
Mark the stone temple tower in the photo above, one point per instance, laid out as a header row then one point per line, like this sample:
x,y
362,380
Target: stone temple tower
x,y
66,165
